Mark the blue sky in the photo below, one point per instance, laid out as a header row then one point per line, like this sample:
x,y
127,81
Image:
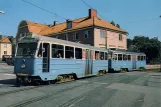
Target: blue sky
x,y
138,17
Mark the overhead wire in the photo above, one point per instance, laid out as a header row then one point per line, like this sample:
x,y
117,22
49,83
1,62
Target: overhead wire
x,y
55,14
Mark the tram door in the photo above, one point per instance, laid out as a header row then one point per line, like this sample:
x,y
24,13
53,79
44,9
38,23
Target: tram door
x,y
89,62
46,57
133,61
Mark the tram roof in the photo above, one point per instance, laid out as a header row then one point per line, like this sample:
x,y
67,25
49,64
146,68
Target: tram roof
x,y
127,52
64,42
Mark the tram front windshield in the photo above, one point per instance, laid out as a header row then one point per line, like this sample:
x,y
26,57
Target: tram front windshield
x,y
26,49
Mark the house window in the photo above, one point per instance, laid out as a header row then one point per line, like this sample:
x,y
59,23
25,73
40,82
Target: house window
x,y
5,52
86,34
57,37
102,34
5,45
75,36
65,37
120,37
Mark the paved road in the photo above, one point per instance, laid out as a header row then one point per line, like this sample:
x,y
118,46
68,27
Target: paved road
x,y
133,89
6,75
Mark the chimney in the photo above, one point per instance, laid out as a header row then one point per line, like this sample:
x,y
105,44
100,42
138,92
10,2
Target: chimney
x,y
92,13
55,23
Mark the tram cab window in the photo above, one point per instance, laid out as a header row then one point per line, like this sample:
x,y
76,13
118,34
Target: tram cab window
x,y
97,55
142,58
78,53
106,56
57,51
120,57
69,52
102,55
129,57
125,57
40,51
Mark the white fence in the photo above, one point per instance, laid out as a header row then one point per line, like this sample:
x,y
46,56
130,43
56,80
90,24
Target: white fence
x,y
153,66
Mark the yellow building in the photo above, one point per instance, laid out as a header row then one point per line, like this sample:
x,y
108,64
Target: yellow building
x,y
5,47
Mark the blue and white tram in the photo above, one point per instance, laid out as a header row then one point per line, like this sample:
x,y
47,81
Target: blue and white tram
x,y
40,58
128,60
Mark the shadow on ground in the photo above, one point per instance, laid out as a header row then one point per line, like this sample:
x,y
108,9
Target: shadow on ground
x,y
8,82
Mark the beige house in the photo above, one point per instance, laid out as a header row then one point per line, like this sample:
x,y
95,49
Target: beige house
x,y
91,30
5,47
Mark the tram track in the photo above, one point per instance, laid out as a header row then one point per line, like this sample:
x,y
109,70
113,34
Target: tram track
x,y
39,98
34,87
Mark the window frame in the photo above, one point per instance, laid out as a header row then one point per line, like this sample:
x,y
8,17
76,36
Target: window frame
x,y
102,34
100,55
120,59
65,37
129,58
125,57
63,56
76,52
120,37
88,34
75,36
73,56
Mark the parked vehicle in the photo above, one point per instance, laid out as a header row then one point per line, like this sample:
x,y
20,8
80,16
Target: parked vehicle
x,y
4,57
10,60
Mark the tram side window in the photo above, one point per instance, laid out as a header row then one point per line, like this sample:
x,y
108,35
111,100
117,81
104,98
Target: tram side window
x,y
139,58
144,57
57,51
97,55
115,57
40,51
106,56
109,56
78,53
125,57
69,52
102,55
129,57
119,56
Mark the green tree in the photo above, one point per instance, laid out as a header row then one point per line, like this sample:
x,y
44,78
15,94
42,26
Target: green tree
x,y
150,46
112,22
117,25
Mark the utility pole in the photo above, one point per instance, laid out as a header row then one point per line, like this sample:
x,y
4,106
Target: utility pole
x,y
159,52
106,39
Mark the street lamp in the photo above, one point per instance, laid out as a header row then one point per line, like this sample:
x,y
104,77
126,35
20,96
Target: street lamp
x,y
2,12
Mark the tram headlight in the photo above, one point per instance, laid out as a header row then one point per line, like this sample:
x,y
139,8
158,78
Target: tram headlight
x,y
23,66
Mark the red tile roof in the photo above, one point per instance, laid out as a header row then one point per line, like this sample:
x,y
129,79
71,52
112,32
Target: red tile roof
x,y
43,29
5,40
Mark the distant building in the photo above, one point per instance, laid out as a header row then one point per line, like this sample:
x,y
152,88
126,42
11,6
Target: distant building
x,y
5,47
90,30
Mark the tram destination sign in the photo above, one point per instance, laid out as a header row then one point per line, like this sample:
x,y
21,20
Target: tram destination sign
x,y
28,38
